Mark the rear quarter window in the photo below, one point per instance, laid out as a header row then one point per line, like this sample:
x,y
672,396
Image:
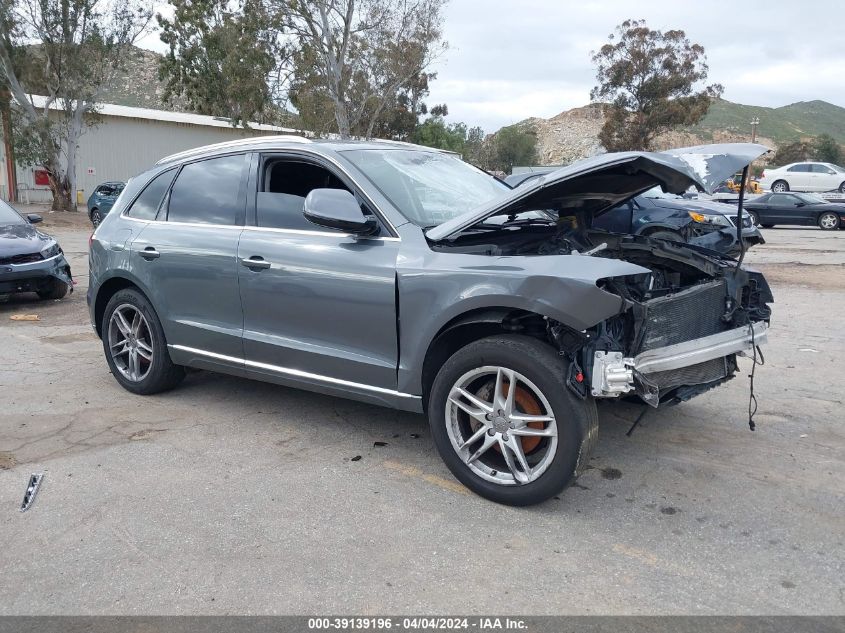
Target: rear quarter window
x,y
147,204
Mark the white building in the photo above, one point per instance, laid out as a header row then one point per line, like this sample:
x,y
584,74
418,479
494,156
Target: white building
x,y
127,141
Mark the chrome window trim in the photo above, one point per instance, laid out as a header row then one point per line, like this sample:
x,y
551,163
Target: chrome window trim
x,y
322,233
297,373
202,224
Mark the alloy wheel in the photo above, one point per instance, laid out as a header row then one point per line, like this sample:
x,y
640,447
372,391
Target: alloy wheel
x,y
96,219
130,342
779,187
501,425
828,221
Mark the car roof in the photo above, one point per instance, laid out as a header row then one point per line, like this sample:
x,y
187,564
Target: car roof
x,y
290,141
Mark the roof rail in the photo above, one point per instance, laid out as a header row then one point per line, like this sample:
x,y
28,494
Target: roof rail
x,y
253,140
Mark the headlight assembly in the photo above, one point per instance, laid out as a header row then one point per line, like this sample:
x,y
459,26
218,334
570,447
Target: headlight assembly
x,y
51,250
707,218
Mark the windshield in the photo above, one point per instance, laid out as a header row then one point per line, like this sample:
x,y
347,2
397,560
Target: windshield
x,y
809,198
428,188
8,215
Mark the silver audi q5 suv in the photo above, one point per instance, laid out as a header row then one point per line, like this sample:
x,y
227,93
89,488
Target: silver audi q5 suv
x,y
401,276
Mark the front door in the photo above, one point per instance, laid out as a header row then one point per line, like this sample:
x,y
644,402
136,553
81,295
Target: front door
x,y
317,303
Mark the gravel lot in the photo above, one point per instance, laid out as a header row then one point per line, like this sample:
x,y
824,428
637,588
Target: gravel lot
x,y
227,496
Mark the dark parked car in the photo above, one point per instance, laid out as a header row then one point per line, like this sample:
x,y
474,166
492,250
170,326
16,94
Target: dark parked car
x,y
400,275
668,216
794,208
101,201
30,261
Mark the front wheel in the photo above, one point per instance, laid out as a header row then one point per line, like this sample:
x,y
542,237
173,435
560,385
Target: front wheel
x,y
505,422
828,221
135,347
755,220
96,217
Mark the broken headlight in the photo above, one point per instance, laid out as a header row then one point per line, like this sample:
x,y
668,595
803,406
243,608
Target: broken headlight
x,y
708,218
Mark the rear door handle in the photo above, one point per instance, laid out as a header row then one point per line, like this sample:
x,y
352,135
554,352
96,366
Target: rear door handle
x,y
150,253
256,262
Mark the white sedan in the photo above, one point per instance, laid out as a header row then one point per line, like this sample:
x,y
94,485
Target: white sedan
x,y
807,176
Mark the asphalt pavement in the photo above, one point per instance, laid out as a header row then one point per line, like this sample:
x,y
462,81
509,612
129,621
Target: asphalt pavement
x,y
227,496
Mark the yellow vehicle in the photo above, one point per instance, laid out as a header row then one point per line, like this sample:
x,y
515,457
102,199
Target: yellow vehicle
x,y
735,183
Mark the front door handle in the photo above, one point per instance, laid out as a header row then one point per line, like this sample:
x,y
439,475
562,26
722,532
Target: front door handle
x,y
256,262
150,253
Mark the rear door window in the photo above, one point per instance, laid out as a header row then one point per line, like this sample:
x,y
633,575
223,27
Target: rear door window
x,y
209,191
147,204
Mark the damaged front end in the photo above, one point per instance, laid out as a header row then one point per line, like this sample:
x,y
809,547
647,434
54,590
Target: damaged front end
x,y
683,324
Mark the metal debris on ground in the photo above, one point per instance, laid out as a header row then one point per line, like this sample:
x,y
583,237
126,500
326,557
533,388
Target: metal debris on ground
x,y
356,458
31,490
379,443
25,317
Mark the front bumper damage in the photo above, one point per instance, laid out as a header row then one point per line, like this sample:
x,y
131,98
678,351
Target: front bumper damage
x,y
31,276
614,375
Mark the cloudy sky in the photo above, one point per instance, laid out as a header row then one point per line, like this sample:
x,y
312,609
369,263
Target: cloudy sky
x,y
509,60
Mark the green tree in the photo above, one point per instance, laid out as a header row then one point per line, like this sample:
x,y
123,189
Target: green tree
x,y
649,78
435,132
793,153
513,145
68,52
827,150
361,58
223,58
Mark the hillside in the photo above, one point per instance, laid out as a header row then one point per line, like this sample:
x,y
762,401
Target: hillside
x,y
784,124
573,134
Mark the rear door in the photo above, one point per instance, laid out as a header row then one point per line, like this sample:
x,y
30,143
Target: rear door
x,y
187,259
318,304
800,177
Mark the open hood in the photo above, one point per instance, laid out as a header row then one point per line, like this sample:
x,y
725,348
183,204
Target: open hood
x,y
599,183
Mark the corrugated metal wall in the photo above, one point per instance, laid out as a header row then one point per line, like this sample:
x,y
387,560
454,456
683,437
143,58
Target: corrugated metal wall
x,y
120,147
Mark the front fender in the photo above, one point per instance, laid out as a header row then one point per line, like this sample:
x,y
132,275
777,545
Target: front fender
x,y
443,286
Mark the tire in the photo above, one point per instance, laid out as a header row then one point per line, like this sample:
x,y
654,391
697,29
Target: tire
x,y
755,219
779,186
554,460
842,188
670,236
152,370
828,221
54,289
96,217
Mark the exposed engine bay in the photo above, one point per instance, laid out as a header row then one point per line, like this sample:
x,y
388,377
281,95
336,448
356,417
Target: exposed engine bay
x,y
681,325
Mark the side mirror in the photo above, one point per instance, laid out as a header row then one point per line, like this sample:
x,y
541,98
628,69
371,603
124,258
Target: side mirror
x,y
338,209
34,218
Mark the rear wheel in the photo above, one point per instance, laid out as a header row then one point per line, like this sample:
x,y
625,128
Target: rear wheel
x,y
96,217
53,289
828,221
842,188
780,186
505,422
135,347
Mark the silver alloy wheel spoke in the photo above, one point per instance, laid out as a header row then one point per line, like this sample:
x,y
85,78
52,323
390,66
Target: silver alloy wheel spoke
x,y
512,445
489,440
481,410
521,420
484,406
527,431
500,400
475,437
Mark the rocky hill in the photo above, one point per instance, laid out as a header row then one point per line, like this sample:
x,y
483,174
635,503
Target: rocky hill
x,y
573,134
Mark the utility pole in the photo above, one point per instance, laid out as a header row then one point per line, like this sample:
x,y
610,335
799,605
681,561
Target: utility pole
x,y
754,123
6,121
